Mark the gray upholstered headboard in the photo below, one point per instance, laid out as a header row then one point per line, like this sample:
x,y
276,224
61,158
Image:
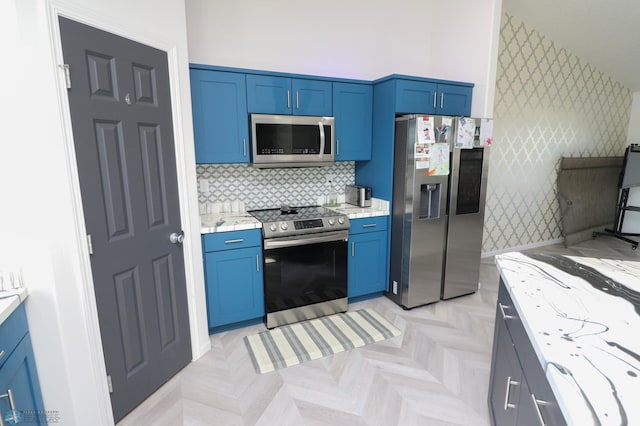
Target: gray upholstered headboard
x,y
588,195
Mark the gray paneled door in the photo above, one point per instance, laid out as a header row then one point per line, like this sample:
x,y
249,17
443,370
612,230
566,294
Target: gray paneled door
x,y
122,128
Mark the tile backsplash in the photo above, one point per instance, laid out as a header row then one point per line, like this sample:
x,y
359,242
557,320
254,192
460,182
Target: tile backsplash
x,y
270,188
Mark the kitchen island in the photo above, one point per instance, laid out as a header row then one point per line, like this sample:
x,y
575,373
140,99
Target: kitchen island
x,y
566,346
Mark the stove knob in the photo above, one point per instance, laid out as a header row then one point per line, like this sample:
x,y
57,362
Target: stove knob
x,y
273,227
284,226
341,220
332,222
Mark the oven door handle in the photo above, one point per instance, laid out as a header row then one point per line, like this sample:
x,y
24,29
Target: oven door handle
x,y
303,240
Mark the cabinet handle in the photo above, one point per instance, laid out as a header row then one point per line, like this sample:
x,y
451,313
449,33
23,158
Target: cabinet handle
x,y
369,225
258,262
288,98
441,100
297,100
337,146
353,248
504,316
435,96
2,354
239,240
244,147
9,395
536,404
510,382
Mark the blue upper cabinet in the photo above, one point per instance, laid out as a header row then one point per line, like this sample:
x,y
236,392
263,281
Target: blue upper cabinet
x,y
415,97
268,95
421,97
311,97
281,95
453,100
353,111
220,119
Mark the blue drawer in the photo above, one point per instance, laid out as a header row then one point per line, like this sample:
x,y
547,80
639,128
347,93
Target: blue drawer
x,y
368,224
12,330
232,240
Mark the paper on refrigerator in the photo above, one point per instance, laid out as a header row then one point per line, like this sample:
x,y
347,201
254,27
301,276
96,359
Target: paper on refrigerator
x,y
429,154
466,133
424,128
486,132
424,138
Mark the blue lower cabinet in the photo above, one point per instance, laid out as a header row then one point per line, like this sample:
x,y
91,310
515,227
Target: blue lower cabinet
x,y
367,256
19,383
235,292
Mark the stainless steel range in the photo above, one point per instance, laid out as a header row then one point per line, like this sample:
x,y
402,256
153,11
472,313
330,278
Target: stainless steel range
x,y
305,263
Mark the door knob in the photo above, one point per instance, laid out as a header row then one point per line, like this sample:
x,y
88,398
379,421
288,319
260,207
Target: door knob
x,y
177,237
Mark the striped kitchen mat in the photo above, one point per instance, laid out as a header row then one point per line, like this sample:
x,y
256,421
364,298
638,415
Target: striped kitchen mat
x,y
296,343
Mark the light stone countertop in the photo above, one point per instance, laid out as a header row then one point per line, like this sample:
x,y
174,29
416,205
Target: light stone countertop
x,y
241,220
10,300
230,221
582,316
378,208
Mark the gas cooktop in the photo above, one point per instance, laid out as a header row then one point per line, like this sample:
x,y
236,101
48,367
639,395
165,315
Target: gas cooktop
x,y
287,221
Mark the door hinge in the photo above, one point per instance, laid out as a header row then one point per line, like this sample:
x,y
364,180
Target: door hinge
x,y
67,74
109,384
89,244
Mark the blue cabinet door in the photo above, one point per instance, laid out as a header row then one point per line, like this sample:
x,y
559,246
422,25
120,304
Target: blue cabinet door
x,y
353,111
415,97
453,100
281,95
19,375
367,260
220,120
312,97
421,97
268,95
234,285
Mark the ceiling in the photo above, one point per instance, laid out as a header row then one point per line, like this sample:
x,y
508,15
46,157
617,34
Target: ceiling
x,y
604,33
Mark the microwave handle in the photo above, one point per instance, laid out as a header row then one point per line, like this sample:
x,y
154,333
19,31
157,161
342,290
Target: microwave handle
x,y
321,126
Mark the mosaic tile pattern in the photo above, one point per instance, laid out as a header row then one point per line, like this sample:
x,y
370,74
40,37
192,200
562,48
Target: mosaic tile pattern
x,y
269,188
549,103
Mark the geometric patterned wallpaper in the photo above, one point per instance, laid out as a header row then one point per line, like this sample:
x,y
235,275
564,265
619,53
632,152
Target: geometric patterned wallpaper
x,y
270,188
548,104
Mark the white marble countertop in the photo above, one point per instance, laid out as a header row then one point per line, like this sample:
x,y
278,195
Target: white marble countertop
x,y
241,220
378,208
582,316
230,221
10,300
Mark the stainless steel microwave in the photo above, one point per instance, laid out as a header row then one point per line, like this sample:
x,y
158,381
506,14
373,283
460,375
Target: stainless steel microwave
x,y
292,140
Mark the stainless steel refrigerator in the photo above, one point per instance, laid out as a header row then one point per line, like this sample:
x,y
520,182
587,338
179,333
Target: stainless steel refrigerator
x,y
439,185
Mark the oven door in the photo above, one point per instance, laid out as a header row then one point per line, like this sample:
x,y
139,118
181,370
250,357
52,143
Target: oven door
x,y
305,276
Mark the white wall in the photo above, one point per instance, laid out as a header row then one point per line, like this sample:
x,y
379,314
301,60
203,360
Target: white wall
x,y
632,219
352,39
41,214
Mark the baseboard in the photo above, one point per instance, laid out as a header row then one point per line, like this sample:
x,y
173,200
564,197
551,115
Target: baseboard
x,y
523,247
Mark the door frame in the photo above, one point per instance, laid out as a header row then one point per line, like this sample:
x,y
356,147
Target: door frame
x,y
185,165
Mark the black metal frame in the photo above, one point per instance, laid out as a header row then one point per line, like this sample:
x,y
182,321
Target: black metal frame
x,y
622,208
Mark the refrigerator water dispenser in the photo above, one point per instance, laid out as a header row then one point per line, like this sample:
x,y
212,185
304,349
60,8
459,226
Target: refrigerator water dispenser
x,y
429,201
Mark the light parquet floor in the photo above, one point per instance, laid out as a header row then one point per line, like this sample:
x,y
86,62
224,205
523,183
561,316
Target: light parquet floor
x,y
435,373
